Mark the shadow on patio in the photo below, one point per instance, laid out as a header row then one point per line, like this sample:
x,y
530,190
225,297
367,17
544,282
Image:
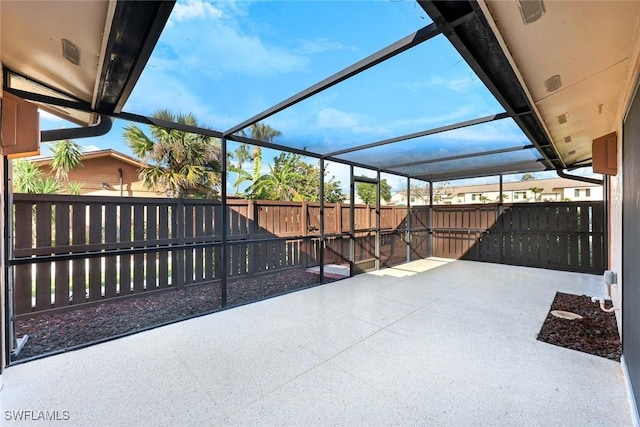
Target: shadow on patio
x,y
431,342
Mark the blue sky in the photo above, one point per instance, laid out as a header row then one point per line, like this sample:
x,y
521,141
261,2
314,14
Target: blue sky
x,y
227,61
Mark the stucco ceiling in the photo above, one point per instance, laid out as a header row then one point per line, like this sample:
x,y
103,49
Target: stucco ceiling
x,y
91,52
591,46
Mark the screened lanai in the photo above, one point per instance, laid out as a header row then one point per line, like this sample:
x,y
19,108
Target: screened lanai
x,y
414,93
415,99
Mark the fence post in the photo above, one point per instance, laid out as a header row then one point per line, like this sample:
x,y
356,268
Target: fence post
x,y
178,256
430,216
252,217
500,223
304,225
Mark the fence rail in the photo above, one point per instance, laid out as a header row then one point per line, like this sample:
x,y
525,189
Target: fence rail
x,y
178,242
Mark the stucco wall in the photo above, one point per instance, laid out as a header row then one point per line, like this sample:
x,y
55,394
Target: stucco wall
x,y
615,229
95,172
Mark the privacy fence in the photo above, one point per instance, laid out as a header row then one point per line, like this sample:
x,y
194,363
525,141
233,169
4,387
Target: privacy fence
x,y
74,250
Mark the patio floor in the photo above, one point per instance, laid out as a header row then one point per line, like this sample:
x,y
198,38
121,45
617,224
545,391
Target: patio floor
x,y
432,342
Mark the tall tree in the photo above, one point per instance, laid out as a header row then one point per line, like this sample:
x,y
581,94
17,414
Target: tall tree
x,y
29,178
367,192
261,132
177,163
291,178
240,155
66,156
537,191
279,183
258,131
442,190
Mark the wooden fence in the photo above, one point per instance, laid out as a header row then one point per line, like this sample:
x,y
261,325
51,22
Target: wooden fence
x,y
128,246
565,236
146,244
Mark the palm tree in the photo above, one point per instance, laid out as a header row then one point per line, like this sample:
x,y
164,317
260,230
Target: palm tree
x,y
177,163
29,178
261,132
536,192
66,156
241,155
258,131
280,182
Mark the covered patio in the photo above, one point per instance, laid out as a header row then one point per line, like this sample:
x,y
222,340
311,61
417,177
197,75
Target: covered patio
x,y
548,87
431,342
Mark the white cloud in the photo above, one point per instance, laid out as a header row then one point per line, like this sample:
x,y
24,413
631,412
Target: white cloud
x,y
158,90
320,45
415,86
447,118
335,119
459,85
486,132
243,54
194,9
51,121
220,46
332,118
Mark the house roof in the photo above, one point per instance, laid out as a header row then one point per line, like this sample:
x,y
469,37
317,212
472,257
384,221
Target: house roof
x,y
547,186
98,154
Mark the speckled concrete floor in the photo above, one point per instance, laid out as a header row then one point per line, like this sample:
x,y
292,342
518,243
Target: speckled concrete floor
x,y
433,342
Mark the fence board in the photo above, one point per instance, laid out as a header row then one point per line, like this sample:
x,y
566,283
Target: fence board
x,y
217,232
110,263
23,220
62,273
208,252
199,252
151,225
139,259
43,271
188,253
95,237
79,267
125,260
163,257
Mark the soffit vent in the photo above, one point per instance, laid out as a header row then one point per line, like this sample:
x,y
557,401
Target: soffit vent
x,y
71,52
531,10
563,118
567,139
553,83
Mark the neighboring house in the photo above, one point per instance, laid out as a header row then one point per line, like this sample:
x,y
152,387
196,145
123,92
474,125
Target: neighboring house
x,y
547,190
418,197
105,173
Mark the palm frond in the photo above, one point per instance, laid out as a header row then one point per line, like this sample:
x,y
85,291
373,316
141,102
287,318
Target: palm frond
x,y
66,156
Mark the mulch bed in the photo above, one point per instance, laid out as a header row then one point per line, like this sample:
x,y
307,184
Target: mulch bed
x,y
58,331
596,333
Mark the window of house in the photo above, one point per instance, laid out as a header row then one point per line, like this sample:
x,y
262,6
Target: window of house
x,y
517,195
576,193
587,192
476,196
